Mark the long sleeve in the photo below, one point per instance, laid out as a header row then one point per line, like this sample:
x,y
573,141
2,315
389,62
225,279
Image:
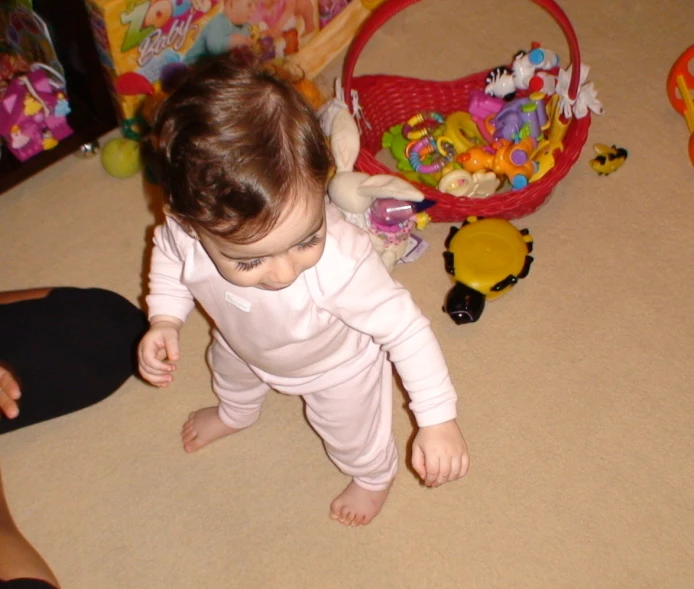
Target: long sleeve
x,y
167,293
359,290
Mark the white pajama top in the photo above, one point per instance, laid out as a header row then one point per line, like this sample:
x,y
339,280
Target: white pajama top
x,y
317,329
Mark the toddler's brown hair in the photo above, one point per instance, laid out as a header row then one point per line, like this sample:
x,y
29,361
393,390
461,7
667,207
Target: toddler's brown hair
x,y
234,146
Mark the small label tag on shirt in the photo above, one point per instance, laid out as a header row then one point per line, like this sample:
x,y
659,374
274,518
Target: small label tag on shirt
x,y
237,302
416,246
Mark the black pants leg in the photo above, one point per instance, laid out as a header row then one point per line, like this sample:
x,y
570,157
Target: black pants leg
x,y
68,350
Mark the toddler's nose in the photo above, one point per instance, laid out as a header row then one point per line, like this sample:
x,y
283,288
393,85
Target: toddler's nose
x,y
284,272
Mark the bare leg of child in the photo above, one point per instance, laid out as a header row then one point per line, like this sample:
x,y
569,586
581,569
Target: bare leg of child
x,y
204,427
241,394
354,421
357,506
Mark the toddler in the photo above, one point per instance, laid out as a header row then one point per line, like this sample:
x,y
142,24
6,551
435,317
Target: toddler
x,y
300,301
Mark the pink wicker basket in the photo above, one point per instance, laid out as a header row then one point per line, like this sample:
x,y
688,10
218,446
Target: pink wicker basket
x,y
389,100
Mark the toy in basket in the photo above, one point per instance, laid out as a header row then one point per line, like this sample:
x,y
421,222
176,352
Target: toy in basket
x,y
356,193
384,101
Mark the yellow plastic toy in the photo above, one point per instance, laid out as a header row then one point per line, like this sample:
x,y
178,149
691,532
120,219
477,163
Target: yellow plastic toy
x,y
680,85
486,257
371,4
462,131
608,159
544,155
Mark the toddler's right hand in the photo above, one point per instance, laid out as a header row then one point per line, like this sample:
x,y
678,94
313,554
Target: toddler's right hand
x,y
158,352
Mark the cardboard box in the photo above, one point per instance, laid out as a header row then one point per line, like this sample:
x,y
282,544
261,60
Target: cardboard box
x,y
141,42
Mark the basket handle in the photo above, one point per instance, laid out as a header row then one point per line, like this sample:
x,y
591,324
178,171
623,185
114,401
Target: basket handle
x,y
390,8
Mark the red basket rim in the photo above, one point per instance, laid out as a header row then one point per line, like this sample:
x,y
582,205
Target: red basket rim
x,y
390,8
510,205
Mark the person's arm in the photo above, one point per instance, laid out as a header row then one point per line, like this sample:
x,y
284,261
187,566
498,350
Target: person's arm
x,y
239,40
9,394
20,560
9,387
169,303
359,290
168,297
15,296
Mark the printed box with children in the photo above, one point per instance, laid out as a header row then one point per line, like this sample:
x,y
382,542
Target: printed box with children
x,y
142,42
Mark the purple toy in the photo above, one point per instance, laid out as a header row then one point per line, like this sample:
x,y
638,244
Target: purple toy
x,y
33,114
516,114
267,48
329,9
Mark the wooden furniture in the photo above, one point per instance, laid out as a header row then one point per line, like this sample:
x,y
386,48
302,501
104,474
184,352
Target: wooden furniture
x,y
333,38
93,113
92,110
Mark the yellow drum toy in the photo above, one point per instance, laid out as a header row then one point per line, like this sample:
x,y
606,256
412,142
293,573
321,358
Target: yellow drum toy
x,y
486,257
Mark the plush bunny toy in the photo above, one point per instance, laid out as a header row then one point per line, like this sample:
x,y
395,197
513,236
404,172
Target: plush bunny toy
x,y
355,192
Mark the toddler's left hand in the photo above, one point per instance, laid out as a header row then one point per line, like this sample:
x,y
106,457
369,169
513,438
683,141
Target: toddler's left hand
x,y
439,454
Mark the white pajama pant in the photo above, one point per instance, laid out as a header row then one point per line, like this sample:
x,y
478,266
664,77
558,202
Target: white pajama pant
x,y
350,409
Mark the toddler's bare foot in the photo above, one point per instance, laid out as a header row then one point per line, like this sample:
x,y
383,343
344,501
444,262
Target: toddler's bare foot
x,y
357,506
203,427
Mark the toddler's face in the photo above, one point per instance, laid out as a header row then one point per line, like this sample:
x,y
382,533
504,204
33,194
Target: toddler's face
x,y
276,261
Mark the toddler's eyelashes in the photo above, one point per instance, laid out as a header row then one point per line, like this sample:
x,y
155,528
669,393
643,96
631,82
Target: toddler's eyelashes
x,y
314,241
246,266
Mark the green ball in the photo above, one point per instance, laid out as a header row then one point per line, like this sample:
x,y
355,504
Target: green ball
x,y
120,157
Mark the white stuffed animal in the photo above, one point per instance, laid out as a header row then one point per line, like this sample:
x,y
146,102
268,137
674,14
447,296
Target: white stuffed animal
x,y
354,192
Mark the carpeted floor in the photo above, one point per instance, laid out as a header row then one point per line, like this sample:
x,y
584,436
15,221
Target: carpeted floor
x,y
575,390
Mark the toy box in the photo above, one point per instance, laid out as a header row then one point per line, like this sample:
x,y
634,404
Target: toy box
x,y
141,43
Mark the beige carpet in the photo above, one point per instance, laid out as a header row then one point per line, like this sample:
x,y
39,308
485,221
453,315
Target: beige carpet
x,y
575,390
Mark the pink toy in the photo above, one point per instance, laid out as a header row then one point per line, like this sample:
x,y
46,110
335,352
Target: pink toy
x,y
482,107
33,114
390,212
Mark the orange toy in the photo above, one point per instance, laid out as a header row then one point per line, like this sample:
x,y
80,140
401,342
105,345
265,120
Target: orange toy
x,y
509,159
680,85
